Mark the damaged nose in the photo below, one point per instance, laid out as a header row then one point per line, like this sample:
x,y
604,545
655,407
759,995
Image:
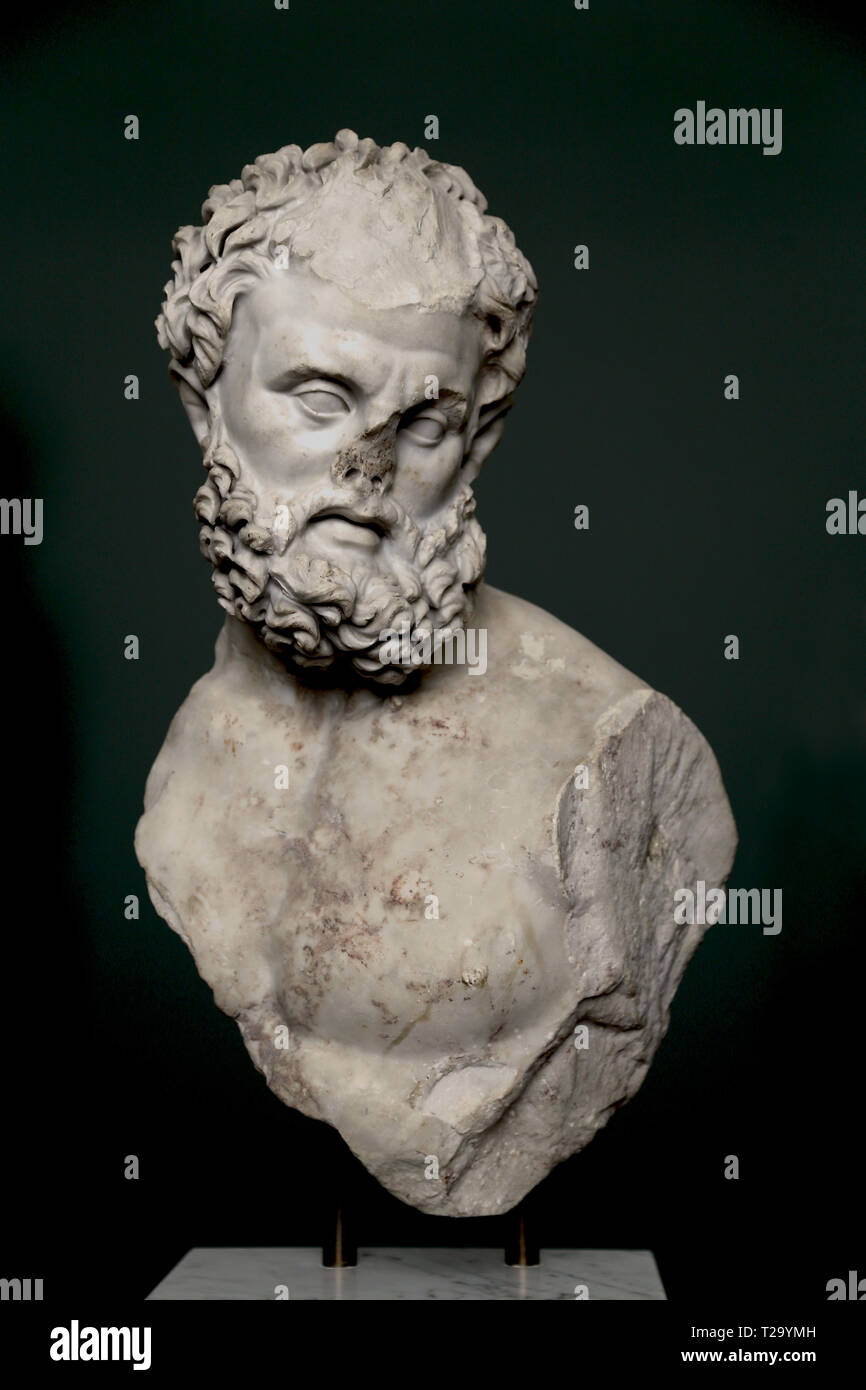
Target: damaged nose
x,y
369,461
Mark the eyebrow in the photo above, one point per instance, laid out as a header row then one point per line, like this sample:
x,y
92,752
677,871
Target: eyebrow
x,y
305,371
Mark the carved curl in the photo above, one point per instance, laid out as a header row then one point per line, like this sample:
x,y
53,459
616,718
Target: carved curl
x,y
245,219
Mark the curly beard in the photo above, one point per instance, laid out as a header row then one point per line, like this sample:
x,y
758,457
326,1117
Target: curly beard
x,y
314,612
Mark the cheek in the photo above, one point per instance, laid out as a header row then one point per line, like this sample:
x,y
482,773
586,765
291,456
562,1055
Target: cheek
x,y
426,478
263,426
254,418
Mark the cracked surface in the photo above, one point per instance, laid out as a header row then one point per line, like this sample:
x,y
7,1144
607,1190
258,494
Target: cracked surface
x,y
312,908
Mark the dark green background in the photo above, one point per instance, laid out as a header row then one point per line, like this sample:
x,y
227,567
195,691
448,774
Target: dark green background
x,y
707,518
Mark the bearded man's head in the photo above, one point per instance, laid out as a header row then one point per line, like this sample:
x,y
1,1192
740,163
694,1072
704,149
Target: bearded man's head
x,y
346,330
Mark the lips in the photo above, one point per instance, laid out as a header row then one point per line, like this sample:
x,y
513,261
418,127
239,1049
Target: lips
x,y
373,524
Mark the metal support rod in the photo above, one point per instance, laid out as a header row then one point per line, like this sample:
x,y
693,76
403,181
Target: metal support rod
x,y
339,1248
521,1246
339,1239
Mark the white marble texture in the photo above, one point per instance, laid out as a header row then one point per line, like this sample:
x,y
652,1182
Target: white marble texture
x,y
440,902
411,1274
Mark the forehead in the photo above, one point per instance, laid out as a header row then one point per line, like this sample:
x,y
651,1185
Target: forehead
x,y
293,314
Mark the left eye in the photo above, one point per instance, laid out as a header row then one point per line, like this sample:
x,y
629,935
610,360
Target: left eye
x,y
425,429
323,402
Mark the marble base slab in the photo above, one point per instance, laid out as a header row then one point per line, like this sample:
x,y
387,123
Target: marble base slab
x,y
392,1274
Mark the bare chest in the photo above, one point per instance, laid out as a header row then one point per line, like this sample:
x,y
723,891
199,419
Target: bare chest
x,y
399,875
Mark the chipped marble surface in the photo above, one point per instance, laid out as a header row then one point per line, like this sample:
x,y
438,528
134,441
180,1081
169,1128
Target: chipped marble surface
x,y
395,881
449,1037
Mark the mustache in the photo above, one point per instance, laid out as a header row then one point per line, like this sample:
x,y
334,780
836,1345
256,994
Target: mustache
x,y
381,512
374,520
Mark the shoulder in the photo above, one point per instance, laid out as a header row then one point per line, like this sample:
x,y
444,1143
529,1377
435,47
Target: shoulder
x,y
560,694
532,645
549,675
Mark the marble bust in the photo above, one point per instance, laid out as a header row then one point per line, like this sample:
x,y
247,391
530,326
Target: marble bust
x,y
421,838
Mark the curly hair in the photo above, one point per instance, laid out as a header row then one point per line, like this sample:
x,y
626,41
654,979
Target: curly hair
x,y
247,220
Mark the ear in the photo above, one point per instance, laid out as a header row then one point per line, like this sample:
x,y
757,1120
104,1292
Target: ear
x,y
193,400
488,432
